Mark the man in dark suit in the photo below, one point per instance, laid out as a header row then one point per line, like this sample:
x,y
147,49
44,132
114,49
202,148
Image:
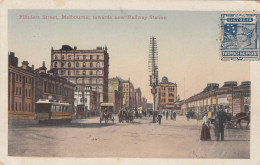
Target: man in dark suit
x,y
221,119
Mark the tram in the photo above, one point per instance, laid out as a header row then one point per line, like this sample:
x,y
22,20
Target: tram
x,y
48,110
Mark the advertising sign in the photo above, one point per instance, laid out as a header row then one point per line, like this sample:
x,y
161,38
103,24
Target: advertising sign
x,y
236,106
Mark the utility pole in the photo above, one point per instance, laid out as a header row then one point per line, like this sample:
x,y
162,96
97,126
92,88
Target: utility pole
x,y
153,69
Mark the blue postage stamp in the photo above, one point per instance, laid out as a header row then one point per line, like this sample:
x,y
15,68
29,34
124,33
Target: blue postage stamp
x,y
239,36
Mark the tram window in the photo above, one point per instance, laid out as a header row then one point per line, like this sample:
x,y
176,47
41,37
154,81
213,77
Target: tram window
x,y
42,108
57,108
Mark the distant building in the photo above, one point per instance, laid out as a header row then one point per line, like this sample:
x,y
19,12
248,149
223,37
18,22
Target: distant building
x,y
144,103
138,98
115,93
21,89
126,93
167,94
85,68
132,96
229,97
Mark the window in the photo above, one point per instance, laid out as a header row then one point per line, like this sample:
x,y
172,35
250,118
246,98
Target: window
x,y
62,57
62,64
20,91
84,57
61,72
16,77
69,72
16,106
26,92
25,79
97,80
25,107
69,64
81,100
55,64
97,64
20,107
77,57
16,90
20,78
90,81
77,72
29,92
97,57
69,57
45,86
84,72
56,57
97,73
84,64
91,57
77,64
91,72
30,80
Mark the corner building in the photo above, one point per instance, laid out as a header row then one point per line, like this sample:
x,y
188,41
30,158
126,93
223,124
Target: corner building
x,y
85,68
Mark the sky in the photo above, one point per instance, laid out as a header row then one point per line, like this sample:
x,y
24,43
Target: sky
x,y
188,45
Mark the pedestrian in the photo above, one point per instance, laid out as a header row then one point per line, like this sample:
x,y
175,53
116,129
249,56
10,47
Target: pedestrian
x,y
160,117
167,113
221,117
174,116
171,114
188,116
205,130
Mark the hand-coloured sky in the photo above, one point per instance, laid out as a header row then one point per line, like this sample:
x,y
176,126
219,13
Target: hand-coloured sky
x,y
188,44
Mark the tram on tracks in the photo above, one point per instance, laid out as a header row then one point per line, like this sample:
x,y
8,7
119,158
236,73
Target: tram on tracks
x,y
53,111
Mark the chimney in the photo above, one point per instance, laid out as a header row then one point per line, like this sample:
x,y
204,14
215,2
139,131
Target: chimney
x,y
25,64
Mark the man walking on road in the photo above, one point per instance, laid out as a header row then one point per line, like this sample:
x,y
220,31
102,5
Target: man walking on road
x,y
174,116
220,120
160,117
167,113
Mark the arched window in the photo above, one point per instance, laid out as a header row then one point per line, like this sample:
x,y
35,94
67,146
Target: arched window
x,y
55,64
84,64
69,72
77,72
97,80
77,64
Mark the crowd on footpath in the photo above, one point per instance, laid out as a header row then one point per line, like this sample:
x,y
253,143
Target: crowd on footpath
x,y
219,123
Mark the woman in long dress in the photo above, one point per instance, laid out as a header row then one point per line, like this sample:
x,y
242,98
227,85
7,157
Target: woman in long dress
x,y
205,131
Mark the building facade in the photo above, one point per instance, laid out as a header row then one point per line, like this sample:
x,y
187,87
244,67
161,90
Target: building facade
x,y
231,97
126,93
167,94
48,85
138,98
85,68
21,89
115,93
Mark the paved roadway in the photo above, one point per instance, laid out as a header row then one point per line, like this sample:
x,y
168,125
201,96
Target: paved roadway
x,y
141,139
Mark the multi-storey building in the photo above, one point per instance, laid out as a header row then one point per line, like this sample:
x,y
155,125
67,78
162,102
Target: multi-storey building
x,y
115,93
126,93
167,94
84,68
144,103
21,89
132,96
138,98
50,85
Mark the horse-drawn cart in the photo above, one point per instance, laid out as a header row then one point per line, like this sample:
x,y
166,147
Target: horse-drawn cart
x,y
106,112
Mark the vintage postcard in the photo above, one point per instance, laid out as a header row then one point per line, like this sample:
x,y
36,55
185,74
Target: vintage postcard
x,y
128,84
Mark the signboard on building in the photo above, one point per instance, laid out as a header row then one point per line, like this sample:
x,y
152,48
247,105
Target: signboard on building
x,y
214,101
224,99
236,106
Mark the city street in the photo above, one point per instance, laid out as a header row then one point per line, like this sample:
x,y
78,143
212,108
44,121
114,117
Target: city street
x,y
141,139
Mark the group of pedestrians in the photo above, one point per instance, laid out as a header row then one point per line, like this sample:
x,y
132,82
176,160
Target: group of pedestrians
x,y
220,120
166,114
